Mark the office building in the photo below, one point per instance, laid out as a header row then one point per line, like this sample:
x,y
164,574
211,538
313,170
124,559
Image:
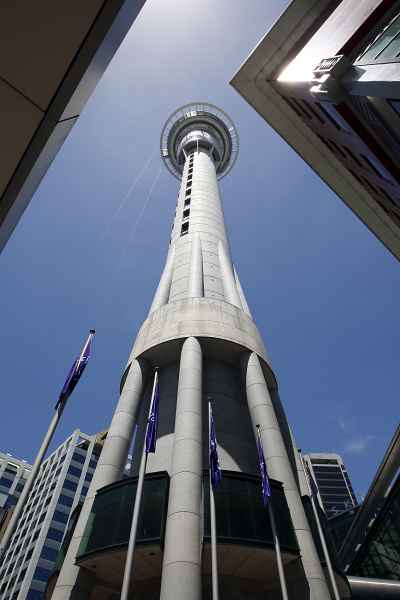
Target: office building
x,y
335,490
13,475
61,485
200,335
326,78
340,525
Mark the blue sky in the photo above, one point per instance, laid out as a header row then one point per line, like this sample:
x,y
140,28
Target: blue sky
x,y
322,289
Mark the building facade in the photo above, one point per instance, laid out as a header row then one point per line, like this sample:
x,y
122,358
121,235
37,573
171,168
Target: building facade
x,y
334,487
13,475
61,485
378,555
326,78
200,335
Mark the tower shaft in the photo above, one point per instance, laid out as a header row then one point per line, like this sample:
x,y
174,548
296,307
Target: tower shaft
x,y
200,334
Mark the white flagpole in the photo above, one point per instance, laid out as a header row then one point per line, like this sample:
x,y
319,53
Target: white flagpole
x,y
136,509
6,539
275,536
320,532
213,522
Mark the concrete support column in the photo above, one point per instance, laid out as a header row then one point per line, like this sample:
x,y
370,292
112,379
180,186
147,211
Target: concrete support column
x,y
241,295
162,294
75,583
309,583
181,574
229,286
195,283
290,444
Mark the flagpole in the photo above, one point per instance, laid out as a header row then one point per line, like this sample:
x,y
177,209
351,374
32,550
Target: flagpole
x,y
276,540
320,532
213,522
6,539
136,509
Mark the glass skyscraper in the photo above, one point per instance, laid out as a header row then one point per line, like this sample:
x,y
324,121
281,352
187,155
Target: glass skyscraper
x,y
330,475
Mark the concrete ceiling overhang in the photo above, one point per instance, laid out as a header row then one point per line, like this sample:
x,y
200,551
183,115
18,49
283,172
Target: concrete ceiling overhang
x,y
251,82
53,54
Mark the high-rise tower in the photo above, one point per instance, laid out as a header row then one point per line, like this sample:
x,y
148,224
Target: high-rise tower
x,y
201,336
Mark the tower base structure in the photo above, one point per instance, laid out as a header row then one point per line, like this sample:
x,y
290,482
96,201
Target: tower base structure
x,y
202,338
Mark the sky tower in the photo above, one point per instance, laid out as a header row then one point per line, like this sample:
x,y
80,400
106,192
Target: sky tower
x,y
201,336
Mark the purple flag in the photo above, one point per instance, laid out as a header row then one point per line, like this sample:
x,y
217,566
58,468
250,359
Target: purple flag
x,y
266,492
216,476
74,375
151,437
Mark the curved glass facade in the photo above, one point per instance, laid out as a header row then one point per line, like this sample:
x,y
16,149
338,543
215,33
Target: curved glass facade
x,y
108,526
242,518
379,554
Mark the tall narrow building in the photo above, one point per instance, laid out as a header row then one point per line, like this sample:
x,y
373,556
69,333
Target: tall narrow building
x,y
334,487
201,336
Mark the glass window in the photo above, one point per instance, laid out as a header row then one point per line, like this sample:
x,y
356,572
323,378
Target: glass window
x,y
41,574
26,543
78,458
33,525
7,483
49,553
55,534
334,118
70,485
387,45
88,477
60,517
65,500
35,535
74,471
19,562
375,166
29,554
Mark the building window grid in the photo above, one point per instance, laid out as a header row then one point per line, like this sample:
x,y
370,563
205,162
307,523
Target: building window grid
x,y
334,118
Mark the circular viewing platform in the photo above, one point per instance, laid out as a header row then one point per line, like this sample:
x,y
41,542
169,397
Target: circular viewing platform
x,y
194,125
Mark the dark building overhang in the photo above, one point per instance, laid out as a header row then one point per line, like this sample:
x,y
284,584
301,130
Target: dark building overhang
x,y
53,55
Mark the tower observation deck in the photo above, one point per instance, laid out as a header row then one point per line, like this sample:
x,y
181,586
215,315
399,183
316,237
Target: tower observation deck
x,y
197,126
200,335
